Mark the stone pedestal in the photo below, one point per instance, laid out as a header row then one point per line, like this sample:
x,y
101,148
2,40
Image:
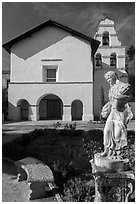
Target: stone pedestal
x,y
111,164
114,182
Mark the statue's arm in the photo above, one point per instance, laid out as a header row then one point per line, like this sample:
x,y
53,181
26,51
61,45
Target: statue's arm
x,y
106,109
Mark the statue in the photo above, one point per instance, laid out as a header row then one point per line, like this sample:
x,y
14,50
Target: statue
x,y
118,113
111,170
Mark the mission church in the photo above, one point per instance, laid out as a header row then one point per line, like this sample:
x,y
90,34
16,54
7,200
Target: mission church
x,y
57,73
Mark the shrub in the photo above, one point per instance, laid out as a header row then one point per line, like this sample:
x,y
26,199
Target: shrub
x,y
76,191
13,151
67,152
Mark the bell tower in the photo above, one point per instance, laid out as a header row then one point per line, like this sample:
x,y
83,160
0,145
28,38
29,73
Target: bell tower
x,y
110,49
110,56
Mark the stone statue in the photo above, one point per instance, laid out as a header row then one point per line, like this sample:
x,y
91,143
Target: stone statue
x,y
114,181
118,113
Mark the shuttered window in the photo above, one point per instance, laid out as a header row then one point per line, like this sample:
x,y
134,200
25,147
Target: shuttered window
x,y
51,75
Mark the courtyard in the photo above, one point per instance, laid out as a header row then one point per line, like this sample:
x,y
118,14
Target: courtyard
x,y
67,153
11,130
23,131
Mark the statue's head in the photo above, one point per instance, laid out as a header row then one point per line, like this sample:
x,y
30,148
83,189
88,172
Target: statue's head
x,y
111,77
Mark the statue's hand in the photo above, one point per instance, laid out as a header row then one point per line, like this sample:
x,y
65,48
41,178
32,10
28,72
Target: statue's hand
x,y
106,110
104,114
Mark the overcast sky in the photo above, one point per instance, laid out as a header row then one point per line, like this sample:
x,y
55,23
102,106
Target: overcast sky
x,y
18,17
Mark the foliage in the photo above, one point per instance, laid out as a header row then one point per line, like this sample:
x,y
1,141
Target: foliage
x,y
76,190
56,125
130,68
132,84
67,152
71,126
129,150
131,52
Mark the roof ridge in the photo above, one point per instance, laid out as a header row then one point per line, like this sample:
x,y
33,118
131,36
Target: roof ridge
x,y
49,22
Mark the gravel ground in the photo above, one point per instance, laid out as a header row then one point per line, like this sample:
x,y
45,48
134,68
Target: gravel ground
x,y
13,191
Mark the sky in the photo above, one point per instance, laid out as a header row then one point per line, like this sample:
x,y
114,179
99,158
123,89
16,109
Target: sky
x,y
19,17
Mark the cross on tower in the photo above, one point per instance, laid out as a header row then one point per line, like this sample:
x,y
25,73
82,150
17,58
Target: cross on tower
x,y
104,15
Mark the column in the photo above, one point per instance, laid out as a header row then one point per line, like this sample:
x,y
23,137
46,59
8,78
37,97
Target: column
x,y
92,101
110,40
87,117
32,113
67,113
88,106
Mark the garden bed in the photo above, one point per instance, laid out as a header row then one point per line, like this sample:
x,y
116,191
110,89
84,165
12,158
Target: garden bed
x,y
67,152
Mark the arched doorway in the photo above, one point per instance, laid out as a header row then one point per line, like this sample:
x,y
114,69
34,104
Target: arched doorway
x,y
24,109
50,108
77,110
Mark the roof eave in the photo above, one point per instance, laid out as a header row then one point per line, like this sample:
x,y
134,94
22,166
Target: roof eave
x,y
7,46
94,44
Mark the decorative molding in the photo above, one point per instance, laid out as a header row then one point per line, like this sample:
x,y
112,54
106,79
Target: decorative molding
x,y
122,68
67,106
30,105
88,82
106,25
118,46
106,56
51,60
121,56
111,35
118,56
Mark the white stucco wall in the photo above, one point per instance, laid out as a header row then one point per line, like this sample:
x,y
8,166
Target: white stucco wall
x,y
106,51
66,92
51,46
51,43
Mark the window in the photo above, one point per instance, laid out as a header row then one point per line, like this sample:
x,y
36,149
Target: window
x,y
105,38
98,60
50,73
113,60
